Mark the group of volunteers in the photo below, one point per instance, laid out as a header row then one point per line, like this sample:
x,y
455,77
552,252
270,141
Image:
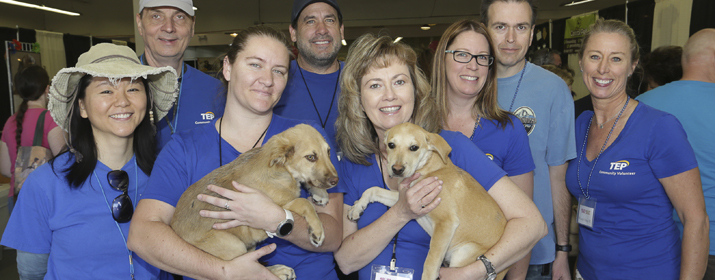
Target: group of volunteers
x,y
132,133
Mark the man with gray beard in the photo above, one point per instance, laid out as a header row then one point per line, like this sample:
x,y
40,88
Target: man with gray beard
x,y
314,78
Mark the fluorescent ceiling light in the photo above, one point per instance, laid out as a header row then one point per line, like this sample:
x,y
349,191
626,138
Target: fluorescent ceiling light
x,y
344,43
397,39
425,27
43,7
574,3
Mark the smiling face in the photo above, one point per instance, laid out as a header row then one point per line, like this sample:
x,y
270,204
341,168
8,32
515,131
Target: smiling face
x,y
387,96
318,34
606,65
465,80
511,30
114,111
257,77
166,32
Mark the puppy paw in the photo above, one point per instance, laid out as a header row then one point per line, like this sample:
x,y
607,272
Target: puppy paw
x,y
283,272
316,237
319,200
355,212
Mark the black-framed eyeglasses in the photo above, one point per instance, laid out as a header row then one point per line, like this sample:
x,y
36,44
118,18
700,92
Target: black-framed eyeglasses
x,y
122,208
466,57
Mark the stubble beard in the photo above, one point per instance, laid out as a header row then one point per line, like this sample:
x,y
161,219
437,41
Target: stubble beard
x,y
317,60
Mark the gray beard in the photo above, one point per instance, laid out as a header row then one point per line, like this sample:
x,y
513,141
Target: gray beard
x,y
316,60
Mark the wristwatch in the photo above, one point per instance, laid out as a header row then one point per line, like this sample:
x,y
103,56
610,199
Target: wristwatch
x,y
491,271
284,228
563,248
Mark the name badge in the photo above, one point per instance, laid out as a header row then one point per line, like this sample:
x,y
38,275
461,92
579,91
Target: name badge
x,y
381,272
586,211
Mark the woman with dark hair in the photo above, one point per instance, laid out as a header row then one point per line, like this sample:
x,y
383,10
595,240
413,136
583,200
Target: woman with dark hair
x,y
32,84
73,215
382,87
255,72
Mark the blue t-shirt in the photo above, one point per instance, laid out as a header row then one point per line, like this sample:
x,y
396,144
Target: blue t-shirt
x,y
201,99
633,235
507,147
544,105
412,241
311,96
688,101
75,226
193,154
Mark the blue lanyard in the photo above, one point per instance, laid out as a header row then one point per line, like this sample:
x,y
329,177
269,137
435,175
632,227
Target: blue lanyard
x,y
173,126
136,191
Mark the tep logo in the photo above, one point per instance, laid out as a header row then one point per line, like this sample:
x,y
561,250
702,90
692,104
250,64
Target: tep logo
x,y
490,156
619,165
207,116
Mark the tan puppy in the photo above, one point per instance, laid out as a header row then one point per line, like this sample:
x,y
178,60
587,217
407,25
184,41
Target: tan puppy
x,y
465,224
297,155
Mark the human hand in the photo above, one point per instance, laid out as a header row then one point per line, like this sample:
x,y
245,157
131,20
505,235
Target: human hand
x,y
247,267
418,200
458,273
247,207
560,268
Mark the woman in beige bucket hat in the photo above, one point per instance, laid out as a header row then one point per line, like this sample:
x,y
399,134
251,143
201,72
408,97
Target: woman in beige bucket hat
x,y
73,216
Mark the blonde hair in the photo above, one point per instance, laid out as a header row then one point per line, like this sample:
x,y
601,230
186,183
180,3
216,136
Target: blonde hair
x,y
612,26
486,104
562,73
355,132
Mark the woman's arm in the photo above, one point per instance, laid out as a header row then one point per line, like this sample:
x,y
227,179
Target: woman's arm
x,y
5,164
151,237
686,193
524,228
526,183
362,246
56,139
252,208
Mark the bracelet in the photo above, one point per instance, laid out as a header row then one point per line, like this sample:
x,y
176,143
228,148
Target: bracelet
x,y
563,248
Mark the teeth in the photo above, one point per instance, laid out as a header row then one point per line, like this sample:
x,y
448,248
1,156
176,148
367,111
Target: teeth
x,y
120,116
600,81
470,78
321,42
390,109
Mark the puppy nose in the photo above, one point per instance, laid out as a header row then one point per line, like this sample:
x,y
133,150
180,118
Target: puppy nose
x,y
397,169
333,181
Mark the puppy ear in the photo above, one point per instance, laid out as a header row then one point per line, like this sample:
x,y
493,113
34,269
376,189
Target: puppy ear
x,y
439,145
281,151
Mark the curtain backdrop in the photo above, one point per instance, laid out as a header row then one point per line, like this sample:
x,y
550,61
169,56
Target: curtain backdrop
x,y
52,48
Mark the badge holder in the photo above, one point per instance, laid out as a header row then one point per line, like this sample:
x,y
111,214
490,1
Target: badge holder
x,y
392,272
586,211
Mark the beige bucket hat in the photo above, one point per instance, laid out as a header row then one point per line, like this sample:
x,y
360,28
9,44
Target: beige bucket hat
x,y
114,62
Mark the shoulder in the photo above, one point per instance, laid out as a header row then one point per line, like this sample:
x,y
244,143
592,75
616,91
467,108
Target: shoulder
x,y
649,114
194,74
286,123
544,78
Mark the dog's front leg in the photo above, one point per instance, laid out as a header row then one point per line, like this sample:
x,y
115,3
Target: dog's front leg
x,y
320,196
303,207
444,230
283,272
374,194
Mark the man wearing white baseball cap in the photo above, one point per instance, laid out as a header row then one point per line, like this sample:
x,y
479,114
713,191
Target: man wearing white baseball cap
x,y
166,27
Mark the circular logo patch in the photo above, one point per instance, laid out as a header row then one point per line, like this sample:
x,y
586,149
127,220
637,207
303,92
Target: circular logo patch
x,y
527,117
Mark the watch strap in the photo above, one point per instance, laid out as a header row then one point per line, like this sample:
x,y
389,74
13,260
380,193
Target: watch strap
x,y
563,248
288,219
491,271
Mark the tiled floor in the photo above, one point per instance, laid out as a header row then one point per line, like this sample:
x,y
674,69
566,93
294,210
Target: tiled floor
x,y
8,267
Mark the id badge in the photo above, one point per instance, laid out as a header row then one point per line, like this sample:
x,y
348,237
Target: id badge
x,y
381,272
586,211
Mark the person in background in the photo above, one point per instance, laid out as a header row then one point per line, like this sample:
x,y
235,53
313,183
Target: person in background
x,y
546,56
166,27
255,71
382,87
541,100
686,99
563,74
73,214
313,85
662,66
634,167
32,84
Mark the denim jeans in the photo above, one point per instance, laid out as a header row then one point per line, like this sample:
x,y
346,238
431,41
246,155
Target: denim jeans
x,y
539,272
31,266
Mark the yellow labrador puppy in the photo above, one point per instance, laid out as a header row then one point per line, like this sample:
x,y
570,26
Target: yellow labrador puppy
x,y
297,155
465,224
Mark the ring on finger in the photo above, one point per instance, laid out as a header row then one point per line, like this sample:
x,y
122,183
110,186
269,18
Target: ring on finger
x,y
226,206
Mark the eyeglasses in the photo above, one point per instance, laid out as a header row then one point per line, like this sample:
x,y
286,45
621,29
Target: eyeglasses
x,y
465,57
122,208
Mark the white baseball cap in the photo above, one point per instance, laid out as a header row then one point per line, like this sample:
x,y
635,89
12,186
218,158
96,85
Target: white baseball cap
x,y
185,5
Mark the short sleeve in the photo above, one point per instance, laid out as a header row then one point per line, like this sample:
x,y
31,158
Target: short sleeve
x,y
169,177
344,184
518,159
669,152
28,229
469,157
561,142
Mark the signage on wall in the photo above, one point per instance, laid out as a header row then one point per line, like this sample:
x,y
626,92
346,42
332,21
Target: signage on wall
x,y
576,28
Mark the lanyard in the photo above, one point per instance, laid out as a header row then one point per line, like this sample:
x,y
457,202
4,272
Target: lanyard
x,y
335,91
393,261
136,191
517,87
175,118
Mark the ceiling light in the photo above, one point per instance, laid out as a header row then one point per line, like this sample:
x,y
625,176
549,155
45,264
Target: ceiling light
x,y
28,5
344,43
397,39
234,34
574,3
425,27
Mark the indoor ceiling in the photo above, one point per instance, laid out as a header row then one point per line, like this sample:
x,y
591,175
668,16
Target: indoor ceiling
x,y
112,18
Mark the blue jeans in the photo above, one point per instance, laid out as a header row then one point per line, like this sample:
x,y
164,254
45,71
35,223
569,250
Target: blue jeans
x,y
31,266
539,272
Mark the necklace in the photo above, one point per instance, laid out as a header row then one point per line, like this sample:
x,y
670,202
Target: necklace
x,y
479,118
517,87
585,140
175,115
600,125
136,191
220,156
335,91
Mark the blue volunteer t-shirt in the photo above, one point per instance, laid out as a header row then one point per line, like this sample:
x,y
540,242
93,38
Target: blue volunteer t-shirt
x,y
412,241
193,154
75,226
633,235
507,147
315,98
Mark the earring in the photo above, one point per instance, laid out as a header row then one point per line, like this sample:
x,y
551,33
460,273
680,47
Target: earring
x,y
151,116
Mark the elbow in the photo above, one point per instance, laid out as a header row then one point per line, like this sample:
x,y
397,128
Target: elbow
x,y
133,243
346,266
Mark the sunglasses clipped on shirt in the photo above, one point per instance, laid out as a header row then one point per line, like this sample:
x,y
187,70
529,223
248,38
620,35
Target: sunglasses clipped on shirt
x,y
122,208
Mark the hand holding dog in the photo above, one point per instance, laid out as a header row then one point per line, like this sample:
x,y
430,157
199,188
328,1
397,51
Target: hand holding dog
x,y
248,267
247,207
418,200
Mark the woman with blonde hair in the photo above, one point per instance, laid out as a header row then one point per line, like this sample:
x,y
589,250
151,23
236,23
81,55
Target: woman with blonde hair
x,y
381,88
